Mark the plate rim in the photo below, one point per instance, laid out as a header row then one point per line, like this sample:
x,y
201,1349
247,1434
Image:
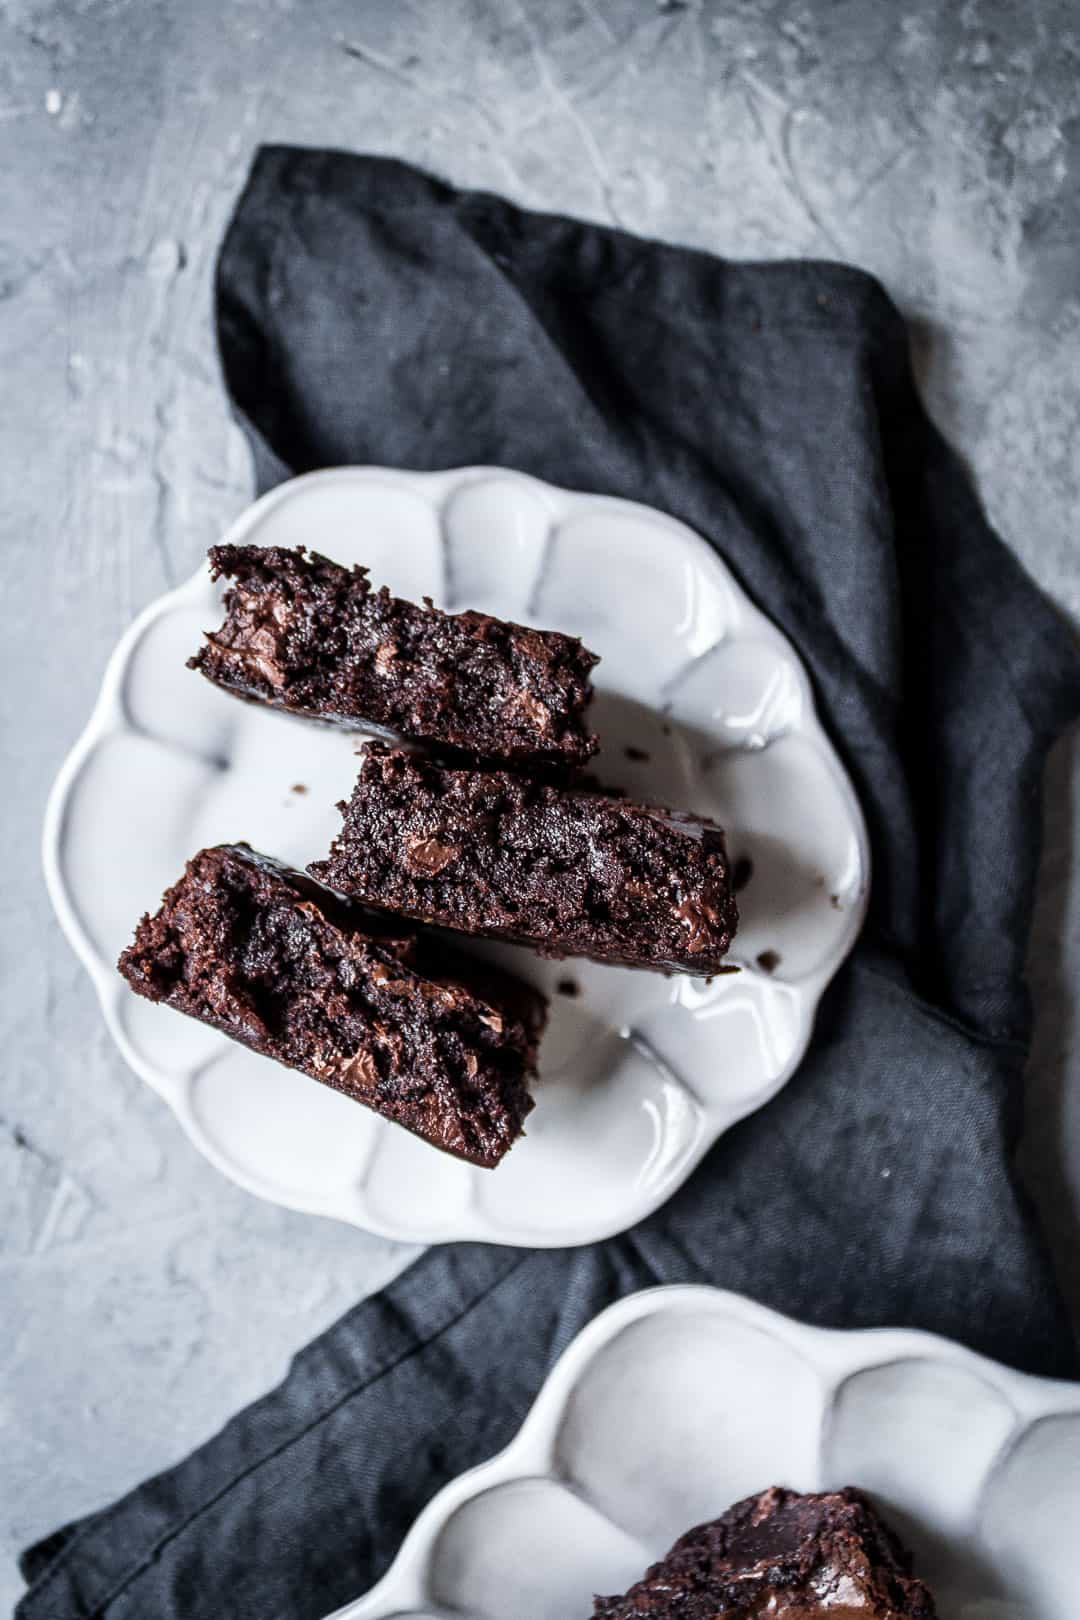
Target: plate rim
x,y
107,717
839,1352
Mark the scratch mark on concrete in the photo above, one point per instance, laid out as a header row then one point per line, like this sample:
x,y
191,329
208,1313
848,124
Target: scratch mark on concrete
x,y
698,37
599,21
778,146
120,1241
674,19
558,93
44,1177
159,525
766,91
375,59
797,184
69,1207
883,170
401,73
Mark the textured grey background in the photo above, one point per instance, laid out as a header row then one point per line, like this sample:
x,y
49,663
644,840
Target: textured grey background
x,y
144,1298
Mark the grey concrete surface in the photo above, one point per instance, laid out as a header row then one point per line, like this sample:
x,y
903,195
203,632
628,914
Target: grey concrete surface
x,y
144,1297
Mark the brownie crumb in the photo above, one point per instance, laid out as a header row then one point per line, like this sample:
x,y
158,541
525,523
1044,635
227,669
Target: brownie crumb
x,y
835,902
741,872
768,961
298,787
568,987
638,755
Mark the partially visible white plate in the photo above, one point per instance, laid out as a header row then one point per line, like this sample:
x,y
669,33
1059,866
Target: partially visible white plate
x,y
701,703
677,1402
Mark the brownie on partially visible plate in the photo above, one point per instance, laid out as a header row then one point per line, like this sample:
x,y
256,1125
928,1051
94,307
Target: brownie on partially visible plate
x,y
784,1555
567,871
442,1045
303,633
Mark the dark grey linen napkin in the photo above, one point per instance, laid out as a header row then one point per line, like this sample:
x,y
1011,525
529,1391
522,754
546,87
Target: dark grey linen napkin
x,y
369,313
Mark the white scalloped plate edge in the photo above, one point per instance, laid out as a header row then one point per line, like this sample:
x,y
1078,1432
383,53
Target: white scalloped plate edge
x,y
834,1355
108,718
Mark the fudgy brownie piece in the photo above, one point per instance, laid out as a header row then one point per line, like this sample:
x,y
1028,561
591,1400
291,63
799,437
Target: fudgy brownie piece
x,y
823,1557
442,1046
304,634
567,872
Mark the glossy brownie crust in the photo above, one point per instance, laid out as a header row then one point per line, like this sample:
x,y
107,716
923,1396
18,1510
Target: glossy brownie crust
x,y
567,872
304,634
782,1555
444,1047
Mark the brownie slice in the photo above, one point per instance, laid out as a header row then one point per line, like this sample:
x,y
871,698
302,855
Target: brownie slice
x,y
826,1557
304,634
565,871
442,1046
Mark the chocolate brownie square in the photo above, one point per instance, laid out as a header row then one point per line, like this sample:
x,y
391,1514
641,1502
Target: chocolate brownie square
x,y
395,1020
796,1557
304,634
567,871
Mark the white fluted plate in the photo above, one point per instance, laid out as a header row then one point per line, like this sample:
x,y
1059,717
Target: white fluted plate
x,y
701,704
677,1402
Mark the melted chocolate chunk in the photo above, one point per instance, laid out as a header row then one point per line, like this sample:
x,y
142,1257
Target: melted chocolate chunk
x,y
570,873
394,1019
302,633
